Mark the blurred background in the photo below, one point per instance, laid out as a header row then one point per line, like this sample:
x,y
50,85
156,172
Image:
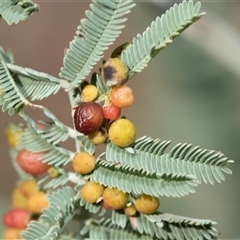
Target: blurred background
x,y
188,93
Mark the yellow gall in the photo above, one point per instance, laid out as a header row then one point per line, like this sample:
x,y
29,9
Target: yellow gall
x,y
114,71
37,202
53,172
92,191
89,93
18,199
147,204
13,134
122,132
83,163
28,187
97,137
130,210
114,198
22,192
12,233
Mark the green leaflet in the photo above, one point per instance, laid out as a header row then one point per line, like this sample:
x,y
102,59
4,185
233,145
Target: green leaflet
x,y
168,226
112,175
56,156
61,210
70,236
92,207
147,227
34,84
161,33
153,226
17,84
6,56
85,144
158,225
101,85
203,164
119,218
34,230
52,183
95,34
104,229
14,11
56,132
11,98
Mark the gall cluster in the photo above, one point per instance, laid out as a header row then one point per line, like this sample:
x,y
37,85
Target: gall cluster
x,y
113,198
100,124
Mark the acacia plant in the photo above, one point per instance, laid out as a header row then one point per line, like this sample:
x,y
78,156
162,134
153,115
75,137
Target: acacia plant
x,y
115,195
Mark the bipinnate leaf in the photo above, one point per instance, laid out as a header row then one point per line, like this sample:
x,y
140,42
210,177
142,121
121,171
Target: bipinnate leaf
x,y
11,98
56,131
104,229
101,85
169,226
34,84
17,84
52,183
96,33
119,218
92,207
85,144
62,206
142,168
34,230
149,155
159,226
14,11
161,33
34,142
120,176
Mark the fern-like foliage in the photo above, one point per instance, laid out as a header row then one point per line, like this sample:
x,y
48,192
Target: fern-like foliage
x,y
56,131
17,84
161,32
70,236
104,229
149,155
101,85
168,226
11,97
85,144
54,155
143,167
51,183
160,226
32,83
95,34
154,226
14,11
53,219
112,175
92,207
